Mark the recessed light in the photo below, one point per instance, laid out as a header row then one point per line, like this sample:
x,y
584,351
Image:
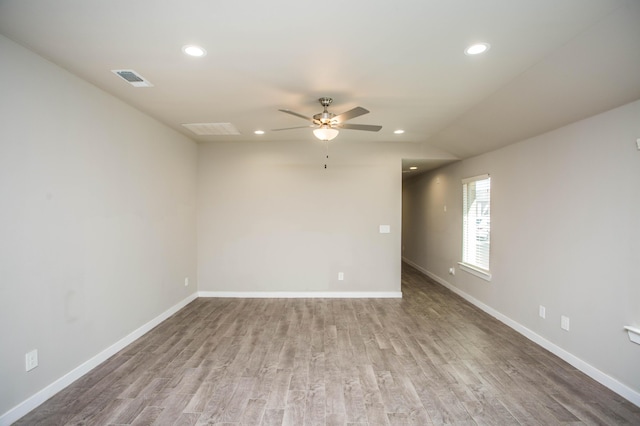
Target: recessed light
x,y
413,168
476,49
193,50
398,132
259,132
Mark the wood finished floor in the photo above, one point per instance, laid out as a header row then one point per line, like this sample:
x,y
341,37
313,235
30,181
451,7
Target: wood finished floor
x,y
429,358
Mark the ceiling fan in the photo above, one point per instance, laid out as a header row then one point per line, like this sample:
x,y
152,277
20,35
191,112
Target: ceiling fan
x,y
327,123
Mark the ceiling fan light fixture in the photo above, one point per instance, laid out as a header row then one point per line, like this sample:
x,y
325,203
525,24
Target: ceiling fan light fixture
x,y
325,133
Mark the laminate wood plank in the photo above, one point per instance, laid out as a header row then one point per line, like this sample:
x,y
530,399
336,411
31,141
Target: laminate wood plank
x,y
241,396
358,349
220,399
130,409
428,358
354,400
443,407
287,354
401,419
265,379
590,412
344,348
520,404
279,389
199,400
374,353
315,413
294,411
376,416
254,411
147,417
392,398
187,419
336,419
256,360
316,369
97,414
92,403
334,391
190,380
300,374
273,417
172,408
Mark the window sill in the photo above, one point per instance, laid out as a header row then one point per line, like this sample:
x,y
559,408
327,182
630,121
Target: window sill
x,y
480,273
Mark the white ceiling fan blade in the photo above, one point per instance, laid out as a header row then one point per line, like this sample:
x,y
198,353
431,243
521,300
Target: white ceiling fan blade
x,y
352,113
296,114
367,127
290,128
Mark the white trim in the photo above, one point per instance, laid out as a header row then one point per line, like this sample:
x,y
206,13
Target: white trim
x,y
475,178
303,294
618,387
474,270
634,334
41,396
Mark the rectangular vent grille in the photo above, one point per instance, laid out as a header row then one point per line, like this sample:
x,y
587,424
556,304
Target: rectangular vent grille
x,y
133,78
212,129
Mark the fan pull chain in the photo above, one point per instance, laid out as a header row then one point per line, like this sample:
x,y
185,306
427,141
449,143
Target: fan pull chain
x,y
325,164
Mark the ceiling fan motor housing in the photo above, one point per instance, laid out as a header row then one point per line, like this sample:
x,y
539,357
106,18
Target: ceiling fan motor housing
x,y
325,117
325,102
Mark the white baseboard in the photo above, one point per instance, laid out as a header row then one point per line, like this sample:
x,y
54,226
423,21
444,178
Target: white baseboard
x,y
35,400
302,294
599,376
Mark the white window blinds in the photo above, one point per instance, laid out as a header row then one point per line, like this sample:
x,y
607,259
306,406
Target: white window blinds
x,y
476,222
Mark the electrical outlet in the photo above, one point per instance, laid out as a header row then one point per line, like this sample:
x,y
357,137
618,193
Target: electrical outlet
x,y
340,276
31,360
564,323
186,282
542,311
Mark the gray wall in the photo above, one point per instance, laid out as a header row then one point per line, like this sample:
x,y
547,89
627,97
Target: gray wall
x,y
272,218
97,220
565,235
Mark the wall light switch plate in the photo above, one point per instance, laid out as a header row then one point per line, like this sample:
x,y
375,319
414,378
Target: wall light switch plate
x,y
385,229
340,276
564,323
542,311
31,360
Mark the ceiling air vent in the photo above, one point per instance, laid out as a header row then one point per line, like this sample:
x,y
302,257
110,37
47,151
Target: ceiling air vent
x,y
133,78
212,129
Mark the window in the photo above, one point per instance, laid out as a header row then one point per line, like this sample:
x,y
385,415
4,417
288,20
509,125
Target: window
x,y
476,225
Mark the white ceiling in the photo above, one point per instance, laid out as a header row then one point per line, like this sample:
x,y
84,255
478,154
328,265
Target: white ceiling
x,y
551,62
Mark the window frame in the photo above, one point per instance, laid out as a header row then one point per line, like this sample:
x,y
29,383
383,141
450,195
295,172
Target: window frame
x,y
467,265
